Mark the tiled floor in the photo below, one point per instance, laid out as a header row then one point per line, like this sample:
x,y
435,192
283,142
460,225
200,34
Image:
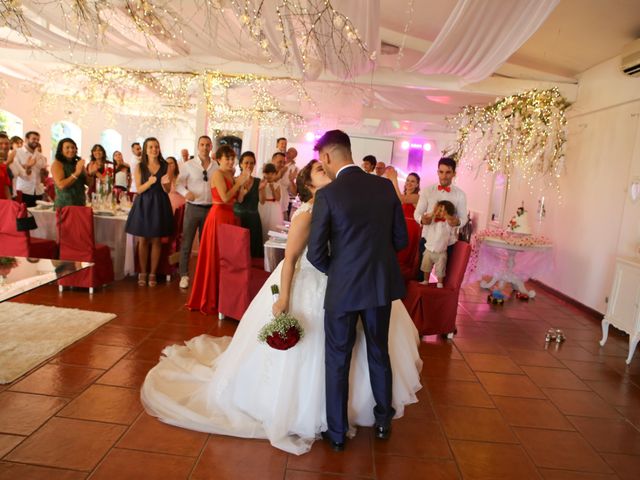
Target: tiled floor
x,y
496,403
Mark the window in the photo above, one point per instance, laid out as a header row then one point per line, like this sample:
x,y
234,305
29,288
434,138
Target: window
x,y
111,141
11,124
64,129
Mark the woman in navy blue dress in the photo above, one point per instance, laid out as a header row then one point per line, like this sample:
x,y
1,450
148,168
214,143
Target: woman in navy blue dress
x,y
151,216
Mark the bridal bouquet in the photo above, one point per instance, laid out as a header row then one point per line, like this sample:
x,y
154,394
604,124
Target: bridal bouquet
x,y
283,332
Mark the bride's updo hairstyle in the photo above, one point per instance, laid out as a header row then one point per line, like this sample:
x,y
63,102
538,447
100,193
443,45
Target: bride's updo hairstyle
x,y
303,182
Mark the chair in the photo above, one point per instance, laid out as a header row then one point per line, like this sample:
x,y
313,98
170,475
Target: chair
x,y
239,281
170,246
409,257
432,309
77,243
20,244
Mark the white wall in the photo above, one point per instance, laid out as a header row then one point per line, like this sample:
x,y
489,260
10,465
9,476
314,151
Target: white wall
x,y
595,220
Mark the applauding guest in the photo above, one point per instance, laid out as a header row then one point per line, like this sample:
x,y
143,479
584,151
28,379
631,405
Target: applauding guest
x,y
224,189
270,207
151,217
246,206
410,195
69,175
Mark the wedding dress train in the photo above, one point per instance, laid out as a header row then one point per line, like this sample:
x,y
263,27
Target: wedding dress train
x,y
243,388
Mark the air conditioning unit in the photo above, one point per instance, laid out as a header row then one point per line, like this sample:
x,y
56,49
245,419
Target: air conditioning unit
x,y
631,59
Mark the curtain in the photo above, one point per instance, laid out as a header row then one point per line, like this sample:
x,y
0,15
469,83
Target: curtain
x,y
480,35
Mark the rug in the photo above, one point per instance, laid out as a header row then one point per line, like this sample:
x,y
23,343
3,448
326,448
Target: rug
x,y
29,334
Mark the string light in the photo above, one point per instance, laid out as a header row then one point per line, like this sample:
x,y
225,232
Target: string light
x,y
521,135
168,97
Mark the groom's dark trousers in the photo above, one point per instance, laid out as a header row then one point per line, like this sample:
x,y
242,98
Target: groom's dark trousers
x,y
357,226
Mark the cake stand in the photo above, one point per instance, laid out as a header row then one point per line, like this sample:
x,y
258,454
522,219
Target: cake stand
x,y
507,275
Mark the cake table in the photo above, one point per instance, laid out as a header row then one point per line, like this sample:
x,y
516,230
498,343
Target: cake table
x,y
492,261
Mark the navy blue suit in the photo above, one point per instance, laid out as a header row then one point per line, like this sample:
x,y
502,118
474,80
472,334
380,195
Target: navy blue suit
x,y
356,229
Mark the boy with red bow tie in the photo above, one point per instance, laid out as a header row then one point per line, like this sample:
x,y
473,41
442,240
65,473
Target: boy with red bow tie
x,y
439,233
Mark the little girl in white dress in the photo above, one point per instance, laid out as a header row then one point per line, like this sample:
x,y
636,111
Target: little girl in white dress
x,y
269,207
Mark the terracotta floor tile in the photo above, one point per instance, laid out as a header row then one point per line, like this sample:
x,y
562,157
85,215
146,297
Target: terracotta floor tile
x,y
626,466
105,403
68,443
437,367
150,434
580,403
617,392
478,460
555,378
182,332
593,370
632,414
119,336
576,352
479,424
23,413
423,409
134,465
234,458
357,459
531,412
549,474
433,346
15,471
560,450
609,435
483,362
467,345
539,358
414,438
150,349
509,385
131,319
56,379
127,373
300,475
389,467
8,443
452,392
88,354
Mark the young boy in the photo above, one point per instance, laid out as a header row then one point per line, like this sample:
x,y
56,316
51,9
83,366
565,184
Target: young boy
x,y
438,233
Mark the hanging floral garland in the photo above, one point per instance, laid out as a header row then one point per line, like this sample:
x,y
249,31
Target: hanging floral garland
x,y
522,135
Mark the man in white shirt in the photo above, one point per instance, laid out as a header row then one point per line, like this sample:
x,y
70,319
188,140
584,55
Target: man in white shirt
x,y
136,150
444,190
380,168
194,184
28,183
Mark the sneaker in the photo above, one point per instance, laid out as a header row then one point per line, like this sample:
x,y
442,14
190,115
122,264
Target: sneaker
x,y
440,285
184,282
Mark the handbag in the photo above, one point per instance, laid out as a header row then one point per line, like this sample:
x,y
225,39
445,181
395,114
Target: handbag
x,y
26,223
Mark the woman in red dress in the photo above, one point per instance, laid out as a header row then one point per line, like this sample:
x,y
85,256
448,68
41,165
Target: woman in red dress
x,y
204,293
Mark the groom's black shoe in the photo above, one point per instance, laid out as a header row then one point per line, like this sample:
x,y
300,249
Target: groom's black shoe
x,y
335,446
383,432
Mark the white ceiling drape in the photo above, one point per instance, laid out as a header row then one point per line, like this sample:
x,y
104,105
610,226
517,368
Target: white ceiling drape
x,y
480,35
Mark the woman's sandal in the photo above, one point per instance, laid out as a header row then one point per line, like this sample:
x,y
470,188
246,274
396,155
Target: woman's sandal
x,y
152,280
142,279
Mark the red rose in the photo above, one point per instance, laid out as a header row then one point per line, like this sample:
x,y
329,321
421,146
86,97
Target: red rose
x,y
276,341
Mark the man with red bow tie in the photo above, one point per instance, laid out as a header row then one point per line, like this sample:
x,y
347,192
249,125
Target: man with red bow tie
x,y
444,190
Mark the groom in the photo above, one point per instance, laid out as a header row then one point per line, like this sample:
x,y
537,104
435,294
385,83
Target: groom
x,y
356,228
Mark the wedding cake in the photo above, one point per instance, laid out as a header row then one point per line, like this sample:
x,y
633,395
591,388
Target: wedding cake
x,y
519,223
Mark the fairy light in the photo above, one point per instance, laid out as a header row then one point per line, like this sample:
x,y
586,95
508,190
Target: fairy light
x,y
521,135
169,96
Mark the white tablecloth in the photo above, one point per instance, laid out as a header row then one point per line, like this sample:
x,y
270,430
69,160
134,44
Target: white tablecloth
x,y
273,254
108,230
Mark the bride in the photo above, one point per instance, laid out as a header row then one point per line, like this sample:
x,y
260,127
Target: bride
x,y
243,388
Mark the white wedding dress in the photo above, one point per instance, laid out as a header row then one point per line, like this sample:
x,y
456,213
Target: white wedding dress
x,y
243,388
